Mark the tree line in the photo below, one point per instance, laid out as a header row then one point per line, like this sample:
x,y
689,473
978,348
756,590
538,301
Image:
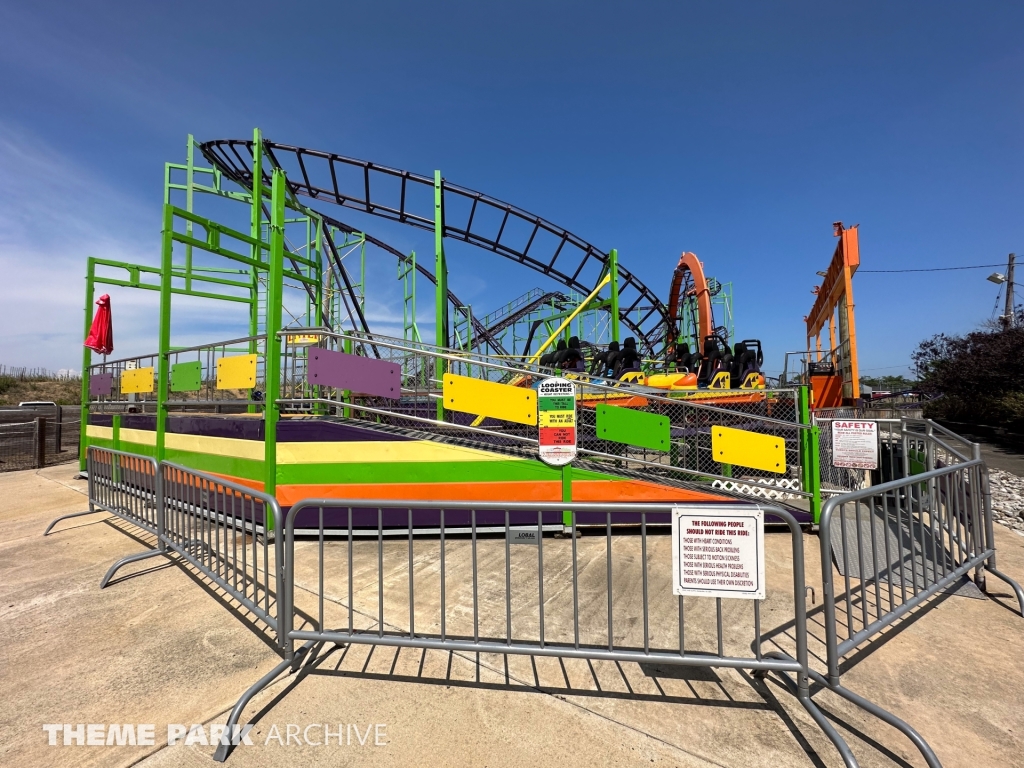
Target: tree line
x,y
979,375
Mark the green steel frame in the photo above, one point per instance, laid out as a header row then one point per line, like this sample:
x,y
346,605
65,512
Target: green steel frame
x,y
258,278
263,263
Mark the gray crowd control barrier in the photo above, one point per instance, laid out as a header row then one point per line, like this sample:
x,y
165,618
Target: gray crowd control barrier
x,y
899,544
896,546
529,613
228,532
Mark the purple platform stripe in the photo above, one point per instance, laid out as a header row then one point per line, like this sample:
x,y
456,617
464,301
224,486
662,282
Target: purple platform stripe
x,y
358,374
101,384
319,431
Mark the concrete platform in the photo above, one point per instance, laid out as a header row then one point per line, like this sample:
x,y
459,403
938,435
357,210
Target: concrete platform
x,y
160,646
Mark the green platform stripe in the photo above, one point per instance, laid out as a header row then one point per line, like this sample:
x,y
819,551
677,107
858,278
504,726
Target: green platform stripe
x,y
624,425
99,442
247,469
187,377
556,403
137,448
347,472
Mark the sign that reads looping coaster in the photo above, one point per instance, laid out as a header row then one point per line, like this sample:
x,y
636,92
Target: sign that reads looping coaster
x,y
556,412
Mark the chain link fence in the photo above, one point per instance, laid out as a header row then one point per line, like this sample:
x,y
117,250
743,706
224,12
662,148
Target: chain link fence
x,y
688,458
38,437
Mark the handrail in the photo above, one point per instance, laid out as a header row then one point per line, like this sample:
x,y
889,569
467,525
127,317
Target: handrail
x,y
587,382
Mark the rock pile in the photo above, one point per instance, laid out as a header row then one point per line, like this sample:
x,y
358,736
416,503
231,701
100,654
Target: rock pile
x,y
1007,499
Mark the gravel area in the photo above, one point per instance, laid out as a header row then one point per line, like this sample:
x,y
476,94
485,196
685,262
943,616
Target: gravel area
x,y
1007,499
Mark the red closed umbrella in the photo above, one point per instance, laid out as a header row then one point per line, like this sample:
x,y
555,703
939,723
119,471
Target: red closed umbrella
x,y
101,335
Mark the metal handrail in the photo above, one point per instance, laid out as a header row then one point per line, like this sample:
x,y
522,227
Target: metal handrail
x,y
624,387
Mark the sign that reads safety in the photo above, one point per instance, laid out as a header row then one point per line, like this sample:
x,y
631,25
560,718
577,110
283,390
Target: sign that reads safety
x,y
718,552
556,418
855,444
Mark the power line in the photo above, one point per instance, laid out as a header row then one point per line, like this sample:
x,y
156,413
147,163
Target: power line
x,y
934,269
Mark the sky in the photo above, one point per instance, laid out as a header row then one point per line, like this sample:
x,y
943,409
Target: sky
x,y
739,131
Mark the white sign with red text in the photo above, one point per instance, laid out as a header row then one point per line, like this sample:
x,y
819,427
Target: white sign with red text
x,y
855,444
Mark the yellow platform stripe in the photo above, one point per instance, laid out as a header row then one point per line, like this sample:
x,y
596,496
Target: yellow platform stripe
x,y
140,436
236,372
103,433
381,452
491,400
222,446
748,449
136,381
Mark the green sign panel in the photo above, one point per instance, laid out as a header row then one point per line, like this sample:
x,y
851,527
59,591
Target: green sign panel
x,y
624,425
187,377
557,404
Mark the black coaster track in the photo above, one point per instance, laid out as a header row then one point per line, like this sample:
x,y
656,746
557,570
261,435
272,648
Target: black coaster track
x,y
467,215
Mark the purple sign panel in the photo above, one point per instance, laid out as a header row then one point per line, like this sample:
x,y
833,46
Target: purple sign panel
x,y
101,384
363,375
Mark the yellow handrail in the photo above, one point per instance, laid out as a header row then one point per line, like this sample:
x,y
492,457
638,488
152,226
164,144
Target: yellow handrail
x,y
565,324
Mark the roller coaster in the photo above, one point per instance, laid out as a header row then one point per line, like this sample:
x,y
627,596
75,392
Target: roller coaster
x,y
290,265
493,225
458,213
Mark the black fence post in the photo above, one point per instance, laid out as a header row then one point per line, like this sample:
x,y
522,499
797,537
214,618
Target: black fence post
x,y
40,442
58,430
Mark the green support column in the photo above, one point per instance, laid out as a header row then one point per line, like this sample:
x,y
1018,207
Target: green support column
x,y
83,442
163,370
809,460
272,364
256,232
613,270
441,276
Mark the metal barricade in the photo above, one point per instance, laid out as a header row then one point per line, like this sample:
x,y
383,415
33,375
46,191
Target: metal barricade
x,y
897,545
228,532
496,596
215,525
123,484
593,596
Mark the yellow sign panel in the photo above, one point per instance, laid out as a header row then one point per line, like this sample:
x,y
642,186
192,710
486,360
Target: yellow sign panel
x,y
136,381
490,400
303,339
748,449
238,372
558,418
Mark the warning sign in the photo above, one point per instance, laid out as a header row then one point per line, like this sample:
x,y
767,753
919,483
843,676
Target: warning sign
x,y
556,412
855,444
718,552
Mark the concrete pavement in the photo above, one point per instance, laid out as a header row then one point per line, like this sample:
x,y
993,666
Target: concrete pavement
x,y
161,646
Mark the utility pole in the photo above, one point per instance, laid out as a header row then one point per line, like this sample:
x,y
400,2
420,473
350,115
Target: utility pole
x,y
1009,319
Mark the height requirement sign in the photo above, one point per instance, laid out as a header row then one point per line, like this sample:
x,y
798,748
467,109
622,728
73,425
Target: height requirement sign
x,y
556,411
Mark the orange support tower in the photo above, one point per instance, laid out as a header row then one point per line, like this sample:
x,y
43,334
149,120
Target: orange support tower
x,y
838,383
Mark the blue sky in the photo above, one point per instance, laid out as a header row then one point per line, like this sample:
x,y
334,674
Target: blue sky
x,y
740,131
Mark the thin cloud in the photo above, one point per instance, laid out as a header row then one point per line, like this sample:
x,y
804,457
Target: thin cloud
x,y
54,213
